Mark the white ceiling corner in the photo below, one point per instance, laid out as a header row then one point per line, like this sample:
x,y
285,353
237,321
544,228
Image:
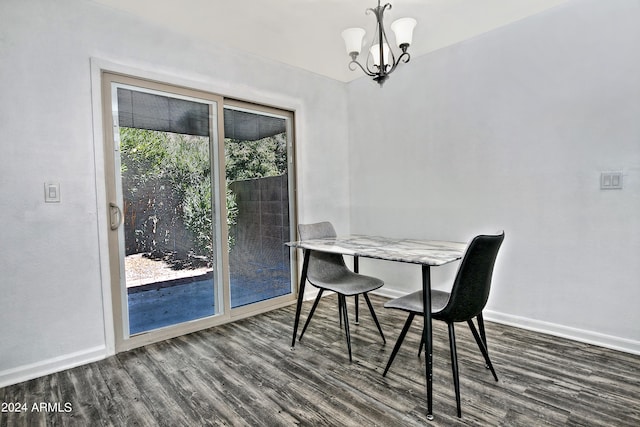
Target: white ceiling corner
x,y
306,33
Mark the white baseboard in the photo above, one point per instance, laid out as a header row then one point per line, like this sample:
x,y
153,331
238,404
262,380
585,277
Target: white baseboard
x,y
50,366
311,292
589,337
581,335
389,293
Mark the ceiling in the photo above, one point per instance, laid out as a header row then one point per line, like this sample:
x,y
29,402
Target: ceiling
x,y
306,33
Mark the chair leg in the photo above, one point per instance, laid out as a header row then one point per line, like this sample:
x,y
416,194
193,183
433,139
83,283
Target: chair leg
x,y
357,310
421,345
343,305
405,329
482,334
340,310
313,309
373,314
454,366
483,348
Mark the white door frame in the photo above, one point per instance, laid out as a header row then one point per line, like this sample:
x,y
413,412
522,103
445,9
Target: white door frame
x,y
241,91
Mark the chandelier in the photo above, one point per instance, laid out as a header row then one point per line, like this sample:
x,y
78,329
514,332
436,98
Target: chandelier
x,y
381,60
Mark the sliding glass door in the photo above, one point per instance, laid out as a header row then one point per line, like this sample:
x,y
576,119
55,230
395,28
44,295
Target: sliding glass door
x,y
257,149
200,199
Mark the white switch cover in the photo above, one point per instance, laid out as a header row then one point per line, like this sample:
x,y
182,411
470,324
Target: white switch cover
x,y
51,192
611,180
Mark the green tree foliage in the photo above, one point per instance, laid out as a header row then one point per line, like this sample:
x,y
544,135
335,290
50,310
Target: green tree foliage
x,y
142,154
153,160
255,159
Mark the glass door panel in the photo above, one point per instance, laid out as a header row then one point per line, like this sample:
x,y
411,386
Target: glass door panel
x,y
166,185
257,152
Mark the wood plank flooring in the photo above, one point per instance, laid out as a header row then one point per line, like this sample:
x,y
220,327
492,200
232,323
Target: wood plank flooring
x,y
245,374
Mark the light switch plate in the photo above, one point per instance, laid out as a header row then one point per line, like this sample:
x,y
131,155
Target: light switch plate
x,y
51,192
611,180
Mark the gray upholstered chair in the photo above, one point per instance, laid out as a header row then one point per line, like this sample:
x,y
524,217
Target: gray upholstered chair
x,y
328,272
465,302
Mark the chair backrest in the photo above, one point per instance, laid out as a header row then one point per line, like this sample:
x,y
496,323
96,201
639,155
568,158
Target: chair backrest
x,y
471,286
322,265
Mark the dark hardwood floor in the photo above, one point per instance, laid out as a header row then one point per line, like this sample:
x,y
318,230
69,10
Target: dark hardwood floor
x,y
245,374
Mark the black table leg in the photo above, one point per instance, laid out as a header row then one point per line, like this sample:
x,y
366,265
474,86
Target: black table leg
x,y
427,337
356,269
303,280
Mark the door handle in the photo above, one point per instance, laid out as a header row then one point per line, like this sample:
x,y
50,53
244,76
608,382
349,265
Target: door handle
x,y
115,212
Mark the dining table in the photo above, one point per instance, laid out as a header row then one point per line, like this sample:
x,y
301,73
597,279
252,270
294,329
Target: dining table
x,y
425,253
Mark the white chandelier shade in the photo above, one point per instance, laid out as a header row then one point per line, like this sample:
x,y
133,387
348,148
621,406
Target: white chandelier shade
x,y
403,29
353,39
375,54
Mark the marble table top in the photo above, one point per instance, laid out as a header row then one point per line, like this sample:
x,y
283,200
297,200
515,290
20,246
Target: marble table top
x,y
426,252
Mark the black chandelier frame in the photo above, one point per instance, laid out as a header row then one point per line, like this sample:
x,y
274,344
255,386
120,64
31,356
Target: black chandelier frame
x,y
380,73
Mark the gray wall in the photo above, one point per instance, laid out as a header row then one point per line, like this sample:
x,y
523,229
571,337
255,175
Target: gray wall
x,y
511,130
55,309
